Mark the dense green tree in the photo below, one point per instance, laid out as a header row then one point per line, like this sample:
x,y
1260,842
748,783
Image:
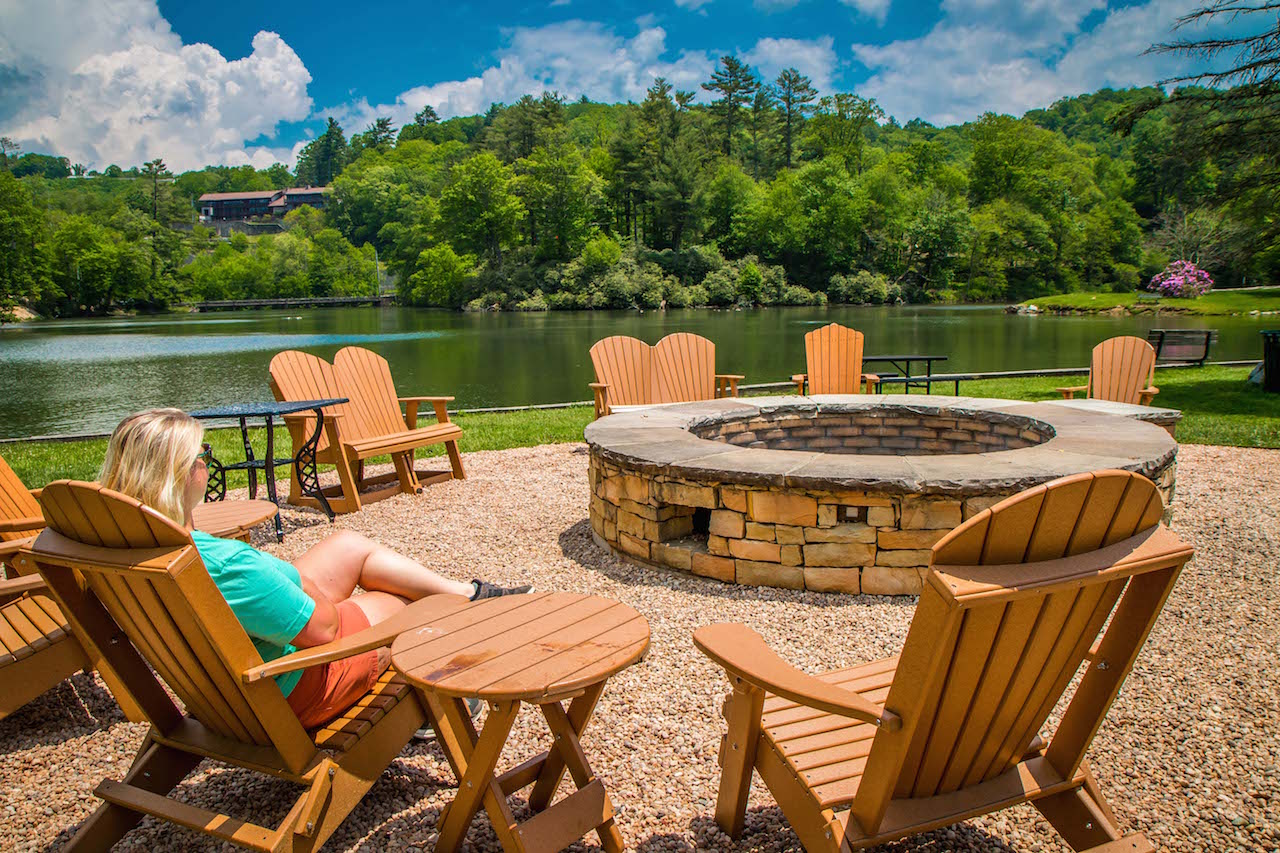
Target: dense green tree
x,y
323,159
22,271
561,195
479,207
796,96
40,164
840,126
736,85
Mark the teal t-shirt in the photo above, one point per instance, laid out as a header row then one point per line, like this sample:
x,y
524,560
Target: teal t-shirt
x,y
265,594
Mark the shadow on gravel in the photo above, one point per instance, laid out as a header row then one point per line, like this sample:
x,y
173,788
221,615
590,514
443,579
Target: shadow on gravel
x,y
577,544
766,829
78,706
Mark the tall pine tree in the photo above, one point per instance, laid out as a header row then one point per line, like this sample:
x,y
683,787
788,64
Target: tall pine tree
x,y
736,85
796,96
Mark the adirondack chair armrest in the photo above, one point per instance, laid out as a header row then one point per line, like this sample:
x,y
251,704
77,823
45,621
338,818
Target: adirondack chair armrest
x,y
13,587
18,525
744,654
601,390
1145,395
35,493
799,379
729,379
871,380
414,617
1069,393
440,404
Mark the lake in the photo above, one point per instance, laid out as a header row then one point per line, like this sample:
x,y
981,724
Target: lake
x,y
81,376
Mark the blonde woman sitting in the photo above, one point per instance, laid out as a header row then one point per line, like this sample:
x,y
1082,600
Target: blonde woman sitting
x,y
158,458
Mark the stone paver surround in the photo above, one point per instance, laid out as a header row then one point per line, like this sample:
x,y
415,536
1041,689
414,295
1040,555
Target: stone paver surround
x,y
841,493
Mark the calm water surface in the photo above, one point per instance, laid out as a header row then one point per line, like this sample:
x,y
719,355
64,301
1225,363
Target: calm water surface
x,y
81,376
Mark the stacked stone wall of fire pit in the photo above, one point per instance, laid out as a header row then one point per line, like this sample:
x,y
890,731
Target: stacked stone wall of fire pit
x,y
767,512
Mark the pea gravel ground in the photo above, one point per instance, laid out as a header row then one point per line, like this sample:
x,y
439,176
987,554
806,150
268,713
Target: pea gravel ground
x,y
1189,753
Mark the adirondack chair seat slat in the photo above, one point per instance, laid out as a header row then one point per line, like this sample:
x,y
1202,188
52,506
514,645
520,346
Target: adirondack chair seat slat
x,y
343,733
404,440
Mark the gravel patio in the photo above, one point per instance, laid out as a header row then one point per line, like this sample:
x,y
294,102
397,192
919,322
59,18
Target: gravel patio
x,y
1190,754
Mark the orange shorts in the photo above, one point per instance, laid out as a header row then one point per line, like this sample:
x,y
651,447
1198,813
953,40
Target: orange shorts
x,y
325,691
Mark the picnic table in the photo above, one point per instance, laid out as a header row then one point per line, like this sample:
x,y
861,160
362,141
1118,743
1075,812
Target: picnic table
x,y
541,648
903,364
304,461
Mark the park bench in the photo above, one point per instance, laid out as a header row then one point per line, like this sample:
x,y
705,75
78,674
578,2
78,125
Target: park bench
x,y
1182,345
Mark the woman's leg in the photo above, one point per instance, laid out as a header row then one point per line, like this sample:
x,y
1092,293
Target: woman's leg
x,y
347,559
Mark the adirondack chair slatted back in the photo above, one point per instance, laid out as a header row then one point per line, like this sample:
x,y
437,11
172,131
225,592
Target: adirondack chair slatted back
x,y
15,502
833,356
992,648
302,376
686,368
626,365
1121,367
119,567
365,377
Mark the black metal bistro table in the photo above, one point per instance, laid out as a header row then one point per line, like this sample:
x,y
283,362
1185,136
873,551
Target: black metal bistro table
x,y
903,363
304,462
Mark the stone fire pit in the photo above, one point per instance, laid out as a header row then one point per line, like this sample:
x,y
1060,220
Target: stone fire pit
x,y
841,493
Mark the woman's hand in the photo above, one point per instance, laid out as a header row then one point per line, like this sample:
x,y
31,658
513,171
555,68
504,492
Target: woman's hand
x,y
322,627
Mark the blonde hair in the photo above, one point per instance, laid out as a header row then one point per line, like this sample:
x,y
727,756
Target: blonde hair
x,y
150,457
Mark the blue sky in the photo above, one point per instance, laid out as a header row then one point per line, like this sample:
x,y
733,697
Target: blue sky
x,y
126,80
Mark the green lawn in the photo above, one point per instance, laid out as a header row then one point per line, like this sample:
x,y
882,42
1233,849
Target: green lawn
x,y
1219,407
1216,302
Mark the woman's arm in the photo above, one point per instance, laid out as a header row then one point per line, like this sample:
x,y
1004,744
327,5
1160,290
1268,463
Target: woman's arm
x,y
322,627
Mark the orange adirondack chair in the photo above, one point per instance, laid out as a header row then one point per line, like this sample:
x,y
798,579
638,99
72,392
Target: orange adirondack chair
x,y
37,650
1123,369
949,729
833,356
680,368
369,425
136,593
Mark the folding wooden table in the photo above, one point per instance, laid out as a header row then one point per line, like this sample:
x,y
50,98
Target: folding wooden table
x,y
544,649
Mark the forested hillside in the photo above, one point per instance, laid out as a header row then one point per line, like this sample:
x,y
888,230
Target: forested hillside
x,y
766,195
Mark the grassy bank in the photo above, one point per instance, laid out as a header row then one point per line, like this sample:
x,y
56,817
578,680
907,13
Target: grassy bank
x,y
1219,407
1214,303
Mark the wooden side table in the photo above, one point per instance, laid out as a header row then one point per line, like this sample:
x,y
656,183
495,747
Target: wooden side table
x,y
544,649
233,519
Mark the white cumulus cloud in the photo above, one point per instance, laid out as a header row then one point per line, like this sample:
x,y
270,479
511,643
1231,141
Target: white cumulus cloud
x,y
110,82
574,58
814,58
875,9
1010,56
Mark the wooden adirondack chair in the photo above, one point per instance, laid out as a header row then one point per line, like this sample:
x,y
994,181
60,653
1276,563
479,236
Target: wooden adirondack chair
x,y
680,368
833,356
1123,370
37,649
369,425
949,729
135,591
20,518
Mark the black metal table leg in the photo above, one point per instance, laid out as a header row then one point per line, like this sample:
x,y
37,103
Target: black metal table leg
x,y
270,473
248,458
306,469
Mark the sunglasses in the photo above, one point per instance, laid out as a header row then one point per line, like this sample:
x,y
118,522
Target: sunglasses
x,y
206,452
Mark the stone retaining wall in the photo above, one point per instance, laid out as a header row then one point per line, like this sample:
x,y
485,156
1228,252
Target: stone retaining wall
x,y
839,494
851,542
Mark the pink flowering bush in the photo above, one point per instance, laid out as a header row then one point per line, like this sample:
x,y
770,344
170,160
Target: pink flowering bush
x,y
1181,279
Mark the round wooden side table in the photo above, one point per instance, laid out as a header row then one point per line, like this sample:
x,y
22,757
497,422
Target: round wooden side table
x,y
544,649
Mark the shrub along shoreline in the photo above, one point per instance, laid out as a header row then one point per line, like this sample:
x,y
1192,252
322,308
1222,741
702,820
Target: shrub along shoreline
x,y
1252,301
